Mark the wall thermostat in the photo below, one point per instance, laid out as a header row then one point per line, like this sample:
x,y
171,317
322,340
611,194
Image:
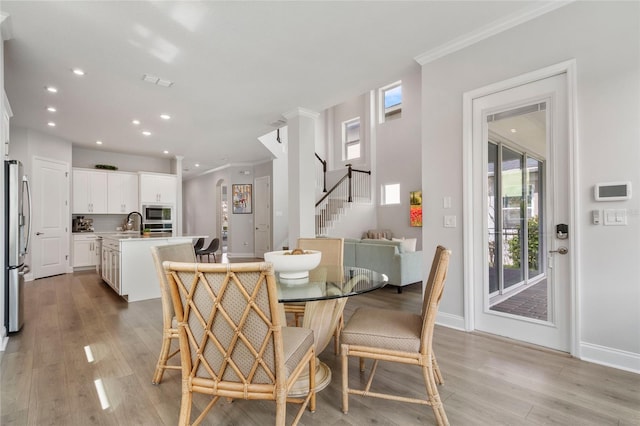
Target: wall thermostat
x,y
612,191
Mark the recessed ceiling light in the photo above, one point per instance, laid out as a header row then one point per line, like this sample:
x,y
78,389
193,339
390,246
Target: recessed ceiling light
x,y
51,124
98,142
165,116
51,89
165,152
197,165
150,78
164,83
78,71
513,130
146,133
136,122
51,109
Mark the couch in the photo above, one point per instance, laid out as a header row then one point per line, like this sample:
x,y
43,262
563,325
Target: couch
x,y
389,257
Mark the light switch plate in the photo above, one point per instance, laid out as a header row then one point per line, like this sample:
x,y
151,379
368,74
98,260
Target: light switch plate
x,y
615,217
449,221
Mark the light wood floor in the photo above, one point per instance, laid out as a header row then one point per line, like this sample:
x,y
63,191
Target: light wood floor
x,y
47,380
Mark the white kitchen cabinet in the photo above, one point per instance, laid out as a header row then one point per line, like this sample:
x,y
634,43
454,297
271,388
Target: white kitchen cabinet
x,y
127,264
158,188
89,191
122,192
85,250
111,263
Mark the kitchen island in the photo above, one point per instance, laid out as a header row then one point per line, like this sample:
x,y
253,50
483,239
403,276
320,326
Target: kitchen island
x,y
127,265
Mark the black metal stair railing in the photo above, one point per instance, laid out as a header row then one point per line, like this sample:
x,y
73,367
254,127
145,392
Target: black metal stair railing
x,y
355,185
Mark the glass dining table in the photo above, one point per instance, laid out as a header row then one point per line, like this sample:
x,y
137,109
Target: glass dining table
x,y
325,293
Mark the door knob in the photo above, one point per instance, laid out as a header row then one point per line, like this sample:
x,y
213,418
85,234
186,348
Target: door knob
x,y
39,233
561,250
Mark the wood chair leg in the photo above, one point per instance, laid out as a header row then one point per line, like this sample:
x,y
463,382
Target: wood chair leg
x,y
434,396
162,359
345,378
436,370
336,335
185,407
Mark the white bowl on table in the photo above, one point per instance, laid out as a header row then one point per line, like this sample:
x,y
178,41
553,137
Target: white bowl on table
x,y
294,267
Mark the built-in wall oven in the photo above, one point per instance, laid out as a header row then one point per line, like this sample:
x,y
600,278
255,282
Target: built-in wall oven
x,y
158,218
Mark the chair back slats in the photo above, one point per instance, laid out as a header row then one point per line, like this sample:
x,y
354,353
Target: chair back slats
x,y
332,250
231,333
433,294
182,252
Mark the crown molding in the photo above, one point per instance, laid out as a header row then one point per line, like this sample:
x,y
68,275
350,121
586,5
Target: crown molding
x,y
5,26
490,30
301,112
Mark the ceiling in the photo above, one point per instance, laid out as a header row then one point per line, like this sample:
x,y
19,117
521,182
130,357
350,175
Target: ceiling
x,y
236,67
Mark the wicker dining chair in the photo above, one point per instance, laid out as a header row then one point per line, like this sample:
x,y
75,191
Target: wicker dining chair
x,y
232,341
183,252
397,336
332,250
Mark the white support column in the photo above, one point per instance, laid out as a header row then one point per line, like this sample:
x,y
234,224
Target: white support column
x,y
177,232
301,134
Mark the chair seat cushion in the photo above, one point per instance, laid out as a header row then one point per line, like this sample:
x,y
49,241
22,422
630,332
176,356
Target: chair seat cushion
x,y
383,328
296,343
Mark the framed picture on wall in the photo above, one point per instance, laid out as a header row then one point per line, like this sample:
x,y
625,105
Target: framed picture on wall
x,y
241,198
415,208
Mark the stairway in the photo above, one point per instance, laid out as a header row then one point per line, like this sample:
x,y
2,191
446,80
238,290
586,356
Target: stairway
x,y
354,187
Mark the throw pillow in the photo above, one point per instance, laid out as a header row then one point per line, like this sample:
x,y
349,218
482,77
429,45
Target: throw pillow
x,y
408,244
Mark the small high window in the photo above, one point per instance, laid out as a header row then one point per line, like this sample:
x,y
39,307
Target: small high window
x,y
390,194
351,139
391,101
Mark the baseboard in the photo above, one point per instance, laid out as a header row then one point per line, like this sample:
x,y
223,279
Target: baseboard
x,y
616,358
28,277
245,255
450,321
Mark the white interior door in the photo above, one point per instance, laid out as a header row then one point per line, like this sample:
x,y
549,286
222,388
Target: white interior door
x,y
521,179
261,197
50,217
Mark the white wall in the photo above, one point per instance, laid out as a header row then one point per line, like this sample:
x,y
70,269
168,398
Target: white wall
x,y
603,37
88,158
398,155
199,208
392,151
199,204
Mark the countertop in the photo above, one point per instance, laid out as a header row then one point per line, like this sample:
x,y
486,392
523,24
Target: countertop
x,y
135,236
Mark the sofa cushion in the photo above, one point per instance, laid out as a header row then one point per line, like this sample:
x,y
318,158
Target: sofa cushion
x,y
378,234
397,244
409,244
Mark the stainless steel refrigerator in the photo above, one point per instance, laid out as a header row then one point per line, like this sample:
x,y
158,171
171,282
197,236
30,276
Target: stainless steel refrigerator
x,y
17,230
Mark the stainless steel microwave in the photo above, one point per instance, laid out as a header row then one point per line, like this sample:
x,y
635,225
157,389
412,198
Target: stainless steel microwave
x,y
157,214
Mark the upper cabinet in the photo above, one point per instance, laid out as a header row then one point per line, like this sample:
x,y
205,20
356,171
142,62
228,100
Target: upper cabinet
x,y
158,188
89,191
122,195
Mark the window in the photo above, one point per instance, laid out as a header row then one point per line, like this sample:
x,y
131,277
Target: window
x,y
351,139
391,101
390,194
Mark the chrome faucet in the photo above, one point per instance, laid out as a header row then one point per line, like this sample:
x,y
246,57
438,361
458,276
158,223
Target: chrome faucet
x,y
129,219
